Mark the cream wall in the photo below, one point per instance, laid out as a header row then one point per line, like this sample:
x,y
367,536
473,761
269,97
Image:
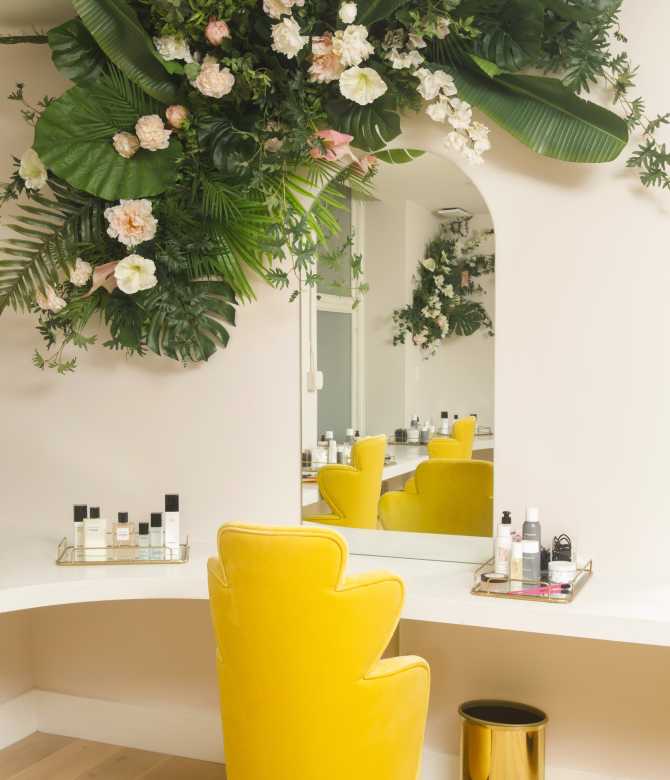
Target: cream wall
x,y
582,422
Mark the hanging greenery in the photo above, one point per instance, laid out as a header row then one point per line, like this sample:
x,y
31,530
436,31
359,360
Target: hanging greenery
x,y
205,143
444,285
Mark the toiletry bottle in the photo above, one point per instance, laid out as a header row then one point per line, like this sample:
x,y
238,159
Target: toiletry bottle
x,y
332,451
474,414
503,546
516,562
413,431
156,529
444,424
80,514
424,434
348,444
121,533
531,544
156,535
451,427
95,531
171,524
143,541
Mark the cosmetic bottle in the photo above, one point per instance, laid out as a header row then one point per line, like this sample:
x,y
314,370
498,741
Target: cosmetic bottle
x,y
424,434
95,529
156,529
143,541
503,546
413,433
171,524
532,538
451,427
516,561
80,514
474,414
444,424
121,532
332,451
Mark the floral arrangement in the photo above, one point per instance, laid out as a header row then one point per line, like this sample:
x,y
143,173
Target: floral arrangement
x,y
445,283
205,143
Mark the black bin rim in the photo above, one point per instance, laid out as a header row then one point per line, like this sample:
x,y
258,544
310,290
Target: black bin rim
x,y
536,717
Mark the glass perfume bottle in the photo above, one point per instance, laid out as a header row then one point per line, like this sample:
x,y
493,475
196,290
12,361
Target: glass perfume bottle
x,y
143,541
122,531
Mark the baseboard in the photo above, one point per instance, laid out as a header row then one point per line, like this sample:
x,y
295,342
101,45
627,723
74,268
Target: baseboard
x,y
179,732
17,719
442,766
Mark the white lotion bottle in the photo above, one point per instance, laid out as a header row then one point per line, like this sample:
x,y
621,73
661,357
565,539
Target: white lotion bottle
x,y
80,514
95,529
171,524
503,547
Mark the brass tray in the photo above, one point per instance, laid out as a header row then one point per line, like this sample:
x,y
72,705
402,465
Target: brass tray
x,y
505,590
69,555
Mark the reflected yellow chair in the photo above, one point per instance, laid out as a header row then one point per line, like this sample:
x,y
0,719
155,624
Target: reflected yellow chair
x,y
304,694
459,444
352,492
449,497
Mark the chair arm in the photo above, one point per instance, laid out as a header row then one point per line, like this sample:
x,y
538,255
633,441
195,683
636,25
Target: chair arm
x,y
410,485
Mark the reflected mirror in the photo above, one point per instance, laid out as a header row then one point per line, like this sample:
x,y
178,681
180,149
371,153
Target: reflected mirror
x,y
398,368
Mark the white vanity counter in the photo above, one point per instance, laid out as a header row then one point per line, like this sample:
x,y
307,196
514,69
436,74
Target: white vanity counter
x,y
407,458
437,592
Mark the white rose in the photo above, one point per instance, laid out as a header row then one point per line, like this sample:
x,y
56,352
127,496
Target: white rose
x,y
419,339
81,272
347,12
286,38
459,114
131,222
431,84
438,110
439,280
213,80
362,85
32,170
456,141
126,144
135,273
151,133
351,45
442,27
429,264
479,135
415,41
410,59
50,301
449,291
172,47
278,8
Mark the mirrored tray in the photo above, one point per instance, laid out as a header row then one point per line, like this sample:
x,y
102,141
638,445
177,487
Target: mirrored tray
x,y
541,591
69,555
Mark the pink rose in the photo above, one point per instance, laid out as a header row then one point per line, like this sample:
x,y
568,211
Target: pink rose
x,y
366,163
217,31
336,146
176,116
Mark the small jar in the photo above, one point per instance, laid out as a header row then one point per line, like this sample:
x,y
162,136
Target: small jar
x,y
563,572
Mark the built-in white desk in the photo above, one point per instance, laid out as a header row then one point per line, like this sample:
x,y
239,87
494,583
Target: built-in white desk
x,y
407,456
607,609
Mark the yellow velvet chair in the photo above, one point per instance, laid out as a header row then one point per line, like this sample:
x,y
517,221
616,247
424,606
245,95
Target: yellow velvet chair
x,y
352,492
447,497
458,445
304,694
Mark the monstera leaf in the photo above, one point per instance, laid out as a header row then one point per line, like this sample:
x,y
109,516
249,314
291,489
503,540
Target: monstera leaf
x,y
398,156
372,126
120,34
74,52
370,11
74,140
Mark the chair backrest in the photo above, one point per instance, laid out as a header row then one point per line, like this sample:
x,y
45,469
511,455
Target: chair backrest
x,y
452,497
459,445
353,493
295,643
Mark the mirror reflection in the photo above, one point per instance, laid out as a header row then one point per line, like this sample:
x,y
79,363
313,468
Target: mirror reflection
x,y
398,359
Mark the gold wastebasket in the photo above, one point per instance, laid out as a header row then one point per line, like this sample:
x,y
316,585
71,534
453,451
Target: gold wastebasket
x,y
501,740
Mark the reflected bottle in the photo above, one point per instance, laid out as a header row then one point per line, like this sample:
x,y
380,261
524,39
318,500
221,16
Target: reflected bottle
x,y
122,531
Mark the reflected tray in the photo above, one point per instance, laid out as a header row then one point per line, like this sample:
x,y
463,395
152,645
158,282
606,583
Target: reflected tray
x,y
513,589
69,555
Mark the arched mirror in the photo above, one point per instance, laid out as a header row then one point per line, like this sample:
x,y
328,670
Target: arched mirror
x,y
398,368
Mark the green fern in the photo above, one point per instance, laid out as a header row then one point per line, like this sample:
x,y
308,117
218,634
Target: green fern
x,y
50,234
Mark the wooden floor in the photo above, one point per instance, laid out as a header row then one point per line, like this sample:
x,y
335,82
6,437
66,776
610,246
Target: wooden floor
x,y
49,757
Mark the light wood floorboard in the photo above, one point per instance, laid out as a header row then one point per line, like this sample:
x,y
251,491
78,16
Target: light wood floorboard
x,y
49,757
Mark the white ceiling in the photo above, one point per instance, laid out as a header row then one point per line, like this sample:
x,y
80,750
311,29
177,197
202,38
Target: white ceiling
x,y
432,181
28,15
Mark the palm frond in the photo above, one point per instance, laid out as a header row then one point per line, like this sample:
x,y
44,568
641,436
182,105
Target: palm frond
x,y
49,234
